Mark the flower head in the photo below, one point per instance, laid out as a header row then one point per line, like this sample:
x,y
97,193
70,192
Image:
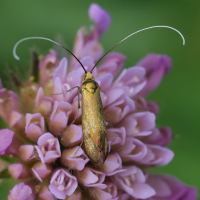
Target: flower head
x,y
51,163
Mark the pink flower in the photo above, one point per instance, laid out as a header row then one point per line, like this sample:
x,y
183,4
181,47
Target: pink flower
x,y
110,192
112,64
161,136
43,104
46,67
13,148
100,17
20,191
41,171
133,182
157,66
112,165
116,136
168,187
5,139
132,150
132,80
90,177
9,103
19,170
72,136
47,146
157,155
62,183
138,124
34,126
74,158
59,117
26,152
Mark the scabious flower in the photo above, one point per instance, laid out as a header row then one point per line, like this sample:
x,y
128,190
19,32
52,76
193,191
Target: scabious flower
x,y
42,137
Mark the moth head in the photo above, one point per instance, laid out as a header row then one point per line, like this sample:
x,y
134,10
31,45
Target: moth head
x,y
88,76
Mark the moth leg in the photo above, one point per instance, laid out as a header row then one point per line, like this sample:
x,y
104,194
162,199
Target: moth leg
x,y
79,91
78,148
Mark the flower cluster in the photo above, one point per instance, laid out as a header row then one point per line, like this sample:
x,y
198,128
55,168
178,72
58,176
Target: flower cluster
x,y
42,137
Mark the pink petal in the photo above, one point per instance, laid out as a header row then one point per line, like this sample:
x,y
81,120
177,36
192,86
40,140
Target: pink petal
x,y
104,81
61,70
26,151
15,170
6,137
57,89
43,138
46,196
142,191
100,17
20,191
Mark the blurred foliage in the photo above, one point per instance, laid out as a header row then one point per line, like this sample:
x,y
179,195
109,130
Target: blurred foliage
x,y
178,95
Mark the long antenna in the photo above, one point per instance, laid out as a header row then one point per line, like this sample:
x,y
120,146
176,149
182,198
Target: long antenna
x,y
42,38
134,34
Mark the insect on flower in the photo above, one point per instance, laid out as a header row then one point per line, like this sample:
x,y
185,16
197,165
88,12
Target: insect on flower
x,y
93,121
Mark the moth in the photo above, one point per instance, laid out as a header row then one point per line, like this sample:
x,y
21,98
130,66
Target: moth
x,y
93,121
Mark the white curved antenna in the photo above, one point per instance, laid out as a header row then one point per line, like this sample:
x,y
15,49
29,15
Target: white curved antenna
x,y
43,38
156,27
29,38
134,34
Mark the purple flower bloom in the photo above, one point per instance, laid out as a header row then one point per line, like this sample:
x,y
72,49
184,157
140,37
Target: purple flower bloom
x,y
43,104
167,187
48,148
161,136
13,148
133,182
72,136
138,124
110,192
26,152
19,170
156,65
41,171
74,158
90,177
20,191
116,135
46,196
112,64
62,183
112,165
46,67
9,102
5,139
157,155
57,165
100,17
34,126
132,80
59,117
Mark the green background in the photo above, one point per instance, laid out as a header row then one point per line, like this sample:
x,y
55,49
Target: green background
x,y
178,95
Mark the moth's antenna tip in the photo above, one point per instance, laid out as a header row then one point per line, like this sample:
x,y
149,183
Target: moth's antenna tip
x,y
14,51
28,38
17,58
